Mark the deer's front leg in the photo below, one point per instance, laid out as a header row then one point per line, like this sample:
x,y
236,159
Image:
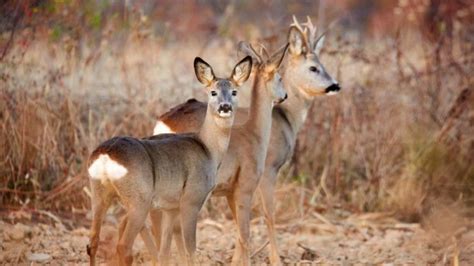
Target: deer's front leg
x,y
242,205
189,215
266,190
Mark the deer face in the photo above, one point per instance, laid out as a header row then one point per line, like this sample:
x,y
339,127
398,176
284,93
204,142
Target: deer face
x,y
304,70
223,93
278,91
273,78
267,70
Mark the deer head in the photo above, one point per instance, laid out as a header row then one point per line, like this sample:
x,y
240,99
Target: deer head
x,y
222,93
304,70
267,67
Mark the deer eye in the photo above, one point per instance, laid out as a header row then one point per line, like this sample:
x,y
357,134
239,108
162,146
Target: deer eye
x,y
234,93
214,93
314,69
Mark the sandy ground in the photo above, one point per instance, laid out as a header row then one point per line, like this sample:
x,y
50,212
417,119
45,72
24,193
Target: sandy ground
x,y
316,239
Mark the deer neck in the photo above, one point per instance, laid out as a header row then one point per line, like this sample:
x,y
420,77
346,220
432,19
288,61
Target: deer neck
x,y
296,107
260,113
215,137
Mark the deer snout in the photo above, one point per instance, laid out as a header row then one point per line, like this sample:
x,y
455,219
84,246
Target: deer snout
x,y
280,100
225,109
334,88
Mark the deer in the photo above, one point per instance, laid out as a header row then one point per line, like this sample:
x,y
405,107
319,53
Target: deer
x,y
173,173
305,78
244,162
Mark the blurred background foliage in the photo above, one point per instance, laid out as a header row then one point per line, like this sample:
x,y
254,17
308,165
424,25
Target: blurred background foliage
x,y
399,138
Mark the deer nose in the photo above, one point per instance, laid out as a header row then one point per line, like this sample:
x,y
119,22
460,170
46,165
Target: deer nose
x,y
333,88
225,108
280,100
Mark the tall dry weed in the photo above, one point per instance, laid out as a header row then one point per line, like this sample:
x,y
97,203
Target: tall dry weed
x,y
398,137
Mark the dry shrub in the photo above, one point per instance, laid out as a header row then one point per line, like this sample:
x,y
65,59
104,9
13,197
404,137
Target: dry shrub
x,y
399,136
56,107
53,118
434,175
445,221
393,139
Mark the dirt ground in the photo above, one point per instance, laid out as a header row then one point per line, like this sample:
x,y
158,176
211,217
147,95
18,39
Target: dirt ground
x,y
332,238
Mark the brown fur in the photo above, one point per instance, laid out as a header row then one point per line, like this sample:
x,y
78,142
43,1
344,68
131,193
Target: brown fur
x,y
243,164
287,118
173,173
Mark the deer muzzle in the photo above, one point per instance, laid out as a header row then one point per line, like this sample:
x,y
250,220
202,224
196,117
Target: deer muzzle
x,y
225,110
333,89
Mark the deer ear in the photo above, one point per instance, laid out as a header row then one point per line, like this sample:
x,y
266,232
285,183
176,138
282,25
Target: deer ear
x,y
277,58
247,49
203,71
296,41
319,44
242,70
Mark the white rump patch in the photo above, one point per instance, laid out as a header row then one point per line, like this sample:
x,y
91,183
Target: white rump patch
x,y
162,128
105,168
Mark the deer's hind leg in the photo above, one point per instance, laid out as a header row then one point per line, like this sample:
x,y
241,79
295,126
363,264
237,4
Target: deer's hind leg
x,y
168,218
101,200
135,221
178,238
147,238
156,217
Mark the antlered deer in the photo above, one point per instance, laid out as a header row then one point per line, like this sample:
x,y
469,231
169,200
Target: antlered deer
x,y
304,77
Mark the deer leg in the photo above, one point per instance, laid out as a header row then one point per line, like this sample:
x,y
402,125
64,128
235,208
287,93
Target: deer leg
x,y
156,216
237,249
135,220
266,191
189,214
122,225
146,235
168,217
243,201
178,237
101,200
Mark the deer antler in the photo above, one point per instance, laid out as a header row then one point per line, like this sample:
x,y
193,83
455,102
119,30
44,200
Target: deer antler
x,y
298,25
277,57
303,30
264,51
248,49
312,32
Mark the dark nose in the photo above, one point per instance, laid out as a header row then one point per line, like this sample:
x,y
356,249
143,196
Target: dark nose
x,y
225,107
280,100
334,87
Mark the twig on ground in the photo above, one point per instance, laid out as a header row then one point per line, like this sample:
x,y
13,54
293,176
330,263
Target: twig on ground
x,y
321,218
214,224
50,215
259,249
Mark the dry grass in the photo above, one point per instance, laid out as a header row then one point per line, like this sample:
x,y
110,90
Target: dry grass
x,y
399,137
